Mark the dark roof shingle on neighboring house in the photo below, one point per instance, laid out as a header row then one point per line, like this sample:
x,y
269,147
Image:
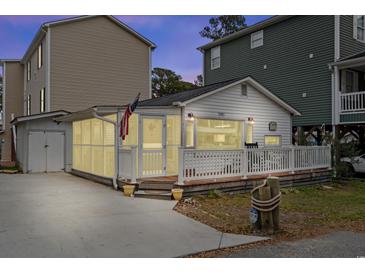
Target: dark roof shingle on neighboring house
x,y
357,55
184,96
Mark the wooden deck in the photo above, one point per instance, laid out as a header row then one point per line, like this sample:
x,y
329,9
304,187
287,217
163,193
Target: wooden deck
x,y
239,184
173,179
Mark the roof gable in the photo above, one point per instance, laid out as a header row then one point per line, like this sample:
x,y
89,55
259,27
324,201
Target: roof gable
x,y
187,97
41,33
258,26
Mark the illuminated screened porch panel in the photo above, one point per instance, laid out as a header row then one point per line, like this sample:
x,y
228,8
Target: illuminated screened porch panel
x,y
132,137
93,146
152,146
218,134
173,142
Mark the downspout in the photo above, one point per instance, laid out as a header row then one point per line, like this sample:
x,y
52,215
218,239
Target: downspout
x,y
14,137
116,145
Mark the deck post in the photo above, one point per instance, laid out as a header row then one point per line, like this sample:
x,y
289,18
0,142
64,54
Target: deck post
x,y
180,179
133,164
291,160
244,163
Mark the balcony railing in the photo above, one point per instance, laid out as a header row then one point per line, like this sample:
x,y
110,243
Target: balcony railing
x,y
352,102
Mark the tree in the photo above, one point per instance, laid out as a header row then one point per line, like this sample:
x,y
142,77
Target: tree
x,y
165,82
198,81
223,25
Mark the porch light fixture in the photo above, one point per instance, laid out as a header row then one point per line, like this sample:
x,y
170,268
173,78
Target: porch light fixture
x,y
190,116
250,120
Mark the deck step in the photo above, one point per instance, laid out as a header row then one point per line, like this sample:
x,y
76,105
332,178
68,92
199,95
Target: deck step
x,y
153,194
155,186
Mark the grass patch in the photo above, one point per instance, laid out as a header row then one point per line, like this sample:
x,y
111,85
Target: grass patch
x,y
304,211
8,168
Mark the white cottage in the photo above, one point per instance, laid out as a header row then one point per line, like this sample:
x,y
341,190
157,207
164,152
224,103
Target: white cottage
x,y
233,128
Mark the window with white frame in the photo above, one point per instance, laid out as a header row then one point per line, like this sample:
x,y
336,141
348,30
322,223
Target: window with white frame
x,y
29,104
40,55
42,100
28,71
272,140
257,39
359,27
215,57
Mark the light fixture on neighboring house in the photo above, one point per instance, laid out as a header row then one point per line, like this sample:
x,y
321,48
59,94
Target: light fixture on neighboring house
x,y
250,120
190,116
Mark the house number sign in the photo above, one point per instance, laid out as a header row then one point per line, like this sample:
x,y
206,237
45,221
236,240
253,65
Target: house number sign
x,y
273,126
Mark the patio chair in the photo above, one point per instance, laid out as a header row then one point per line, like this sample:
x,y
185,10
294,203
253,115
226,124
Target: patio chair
x,y
252,145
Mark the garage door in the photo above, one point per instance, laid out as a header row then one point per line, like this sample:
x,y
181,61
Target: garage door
x,y
46,151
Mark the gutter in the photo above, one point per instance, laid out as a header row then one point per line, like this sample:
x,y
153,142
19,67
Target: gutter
x,y
346,63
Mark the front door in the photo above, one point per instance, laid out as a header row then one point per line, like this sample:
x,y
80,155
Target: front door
x,y
152,146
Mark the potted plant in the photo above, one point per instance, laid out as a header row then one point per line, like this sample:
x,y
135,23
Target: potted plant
x,y
177,193
128,190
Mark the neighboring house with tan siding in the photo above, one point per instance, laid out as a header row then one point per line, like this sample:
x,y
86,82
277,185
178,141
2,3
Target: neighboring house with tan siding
x,y
76,63
12,103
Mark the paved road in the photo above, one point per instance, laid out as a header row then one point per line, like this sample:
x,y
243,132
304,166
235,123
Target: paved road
x,y
59,215
334,245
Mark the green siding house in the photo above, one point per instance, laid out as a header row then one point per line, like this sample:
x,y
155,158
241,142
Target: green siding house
x,y
314,63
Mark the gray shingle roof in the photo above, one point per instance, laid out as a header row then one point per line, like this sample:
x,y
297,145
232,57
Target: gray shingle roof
x,y
183,96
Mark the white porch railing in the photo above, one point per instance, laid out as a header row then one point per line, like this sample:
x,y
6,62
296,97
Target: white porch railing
x,y
204,164
267,160
152,163
307,157
211,164
352,102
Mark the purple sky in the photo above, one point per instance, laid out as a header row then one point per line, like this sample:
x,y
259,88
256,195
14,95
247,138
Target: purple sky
x,y
176,37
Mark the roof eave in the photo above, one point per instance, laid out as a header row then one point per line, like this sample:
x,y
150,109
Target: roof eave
x,y
350,62
20,119
268,22
37,38
256,85
44,27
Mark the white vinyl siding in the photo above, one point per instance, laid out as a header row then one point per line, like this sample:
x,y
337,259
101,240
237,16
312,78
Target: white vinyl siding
x,y
359,27
231,105
257,39
215,57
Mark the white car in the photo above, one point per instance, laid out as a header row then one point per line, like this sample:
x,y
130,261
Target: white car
x,y
357,164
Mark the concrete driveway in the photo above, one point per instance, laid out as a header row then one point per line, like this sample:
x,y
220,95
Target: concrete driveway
x,y
59,215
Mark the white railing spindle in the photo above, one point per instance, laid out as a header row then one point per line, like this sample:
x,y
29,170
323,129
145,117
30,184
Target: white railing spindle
x,y
353,101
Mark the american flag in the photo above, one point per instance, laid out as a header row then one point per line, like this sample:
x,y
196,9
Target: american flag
x,y
128,112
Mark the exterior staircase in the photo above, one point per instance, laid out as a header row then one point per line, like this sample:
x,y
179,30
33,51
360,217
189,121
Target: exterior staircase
x,y
155,190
